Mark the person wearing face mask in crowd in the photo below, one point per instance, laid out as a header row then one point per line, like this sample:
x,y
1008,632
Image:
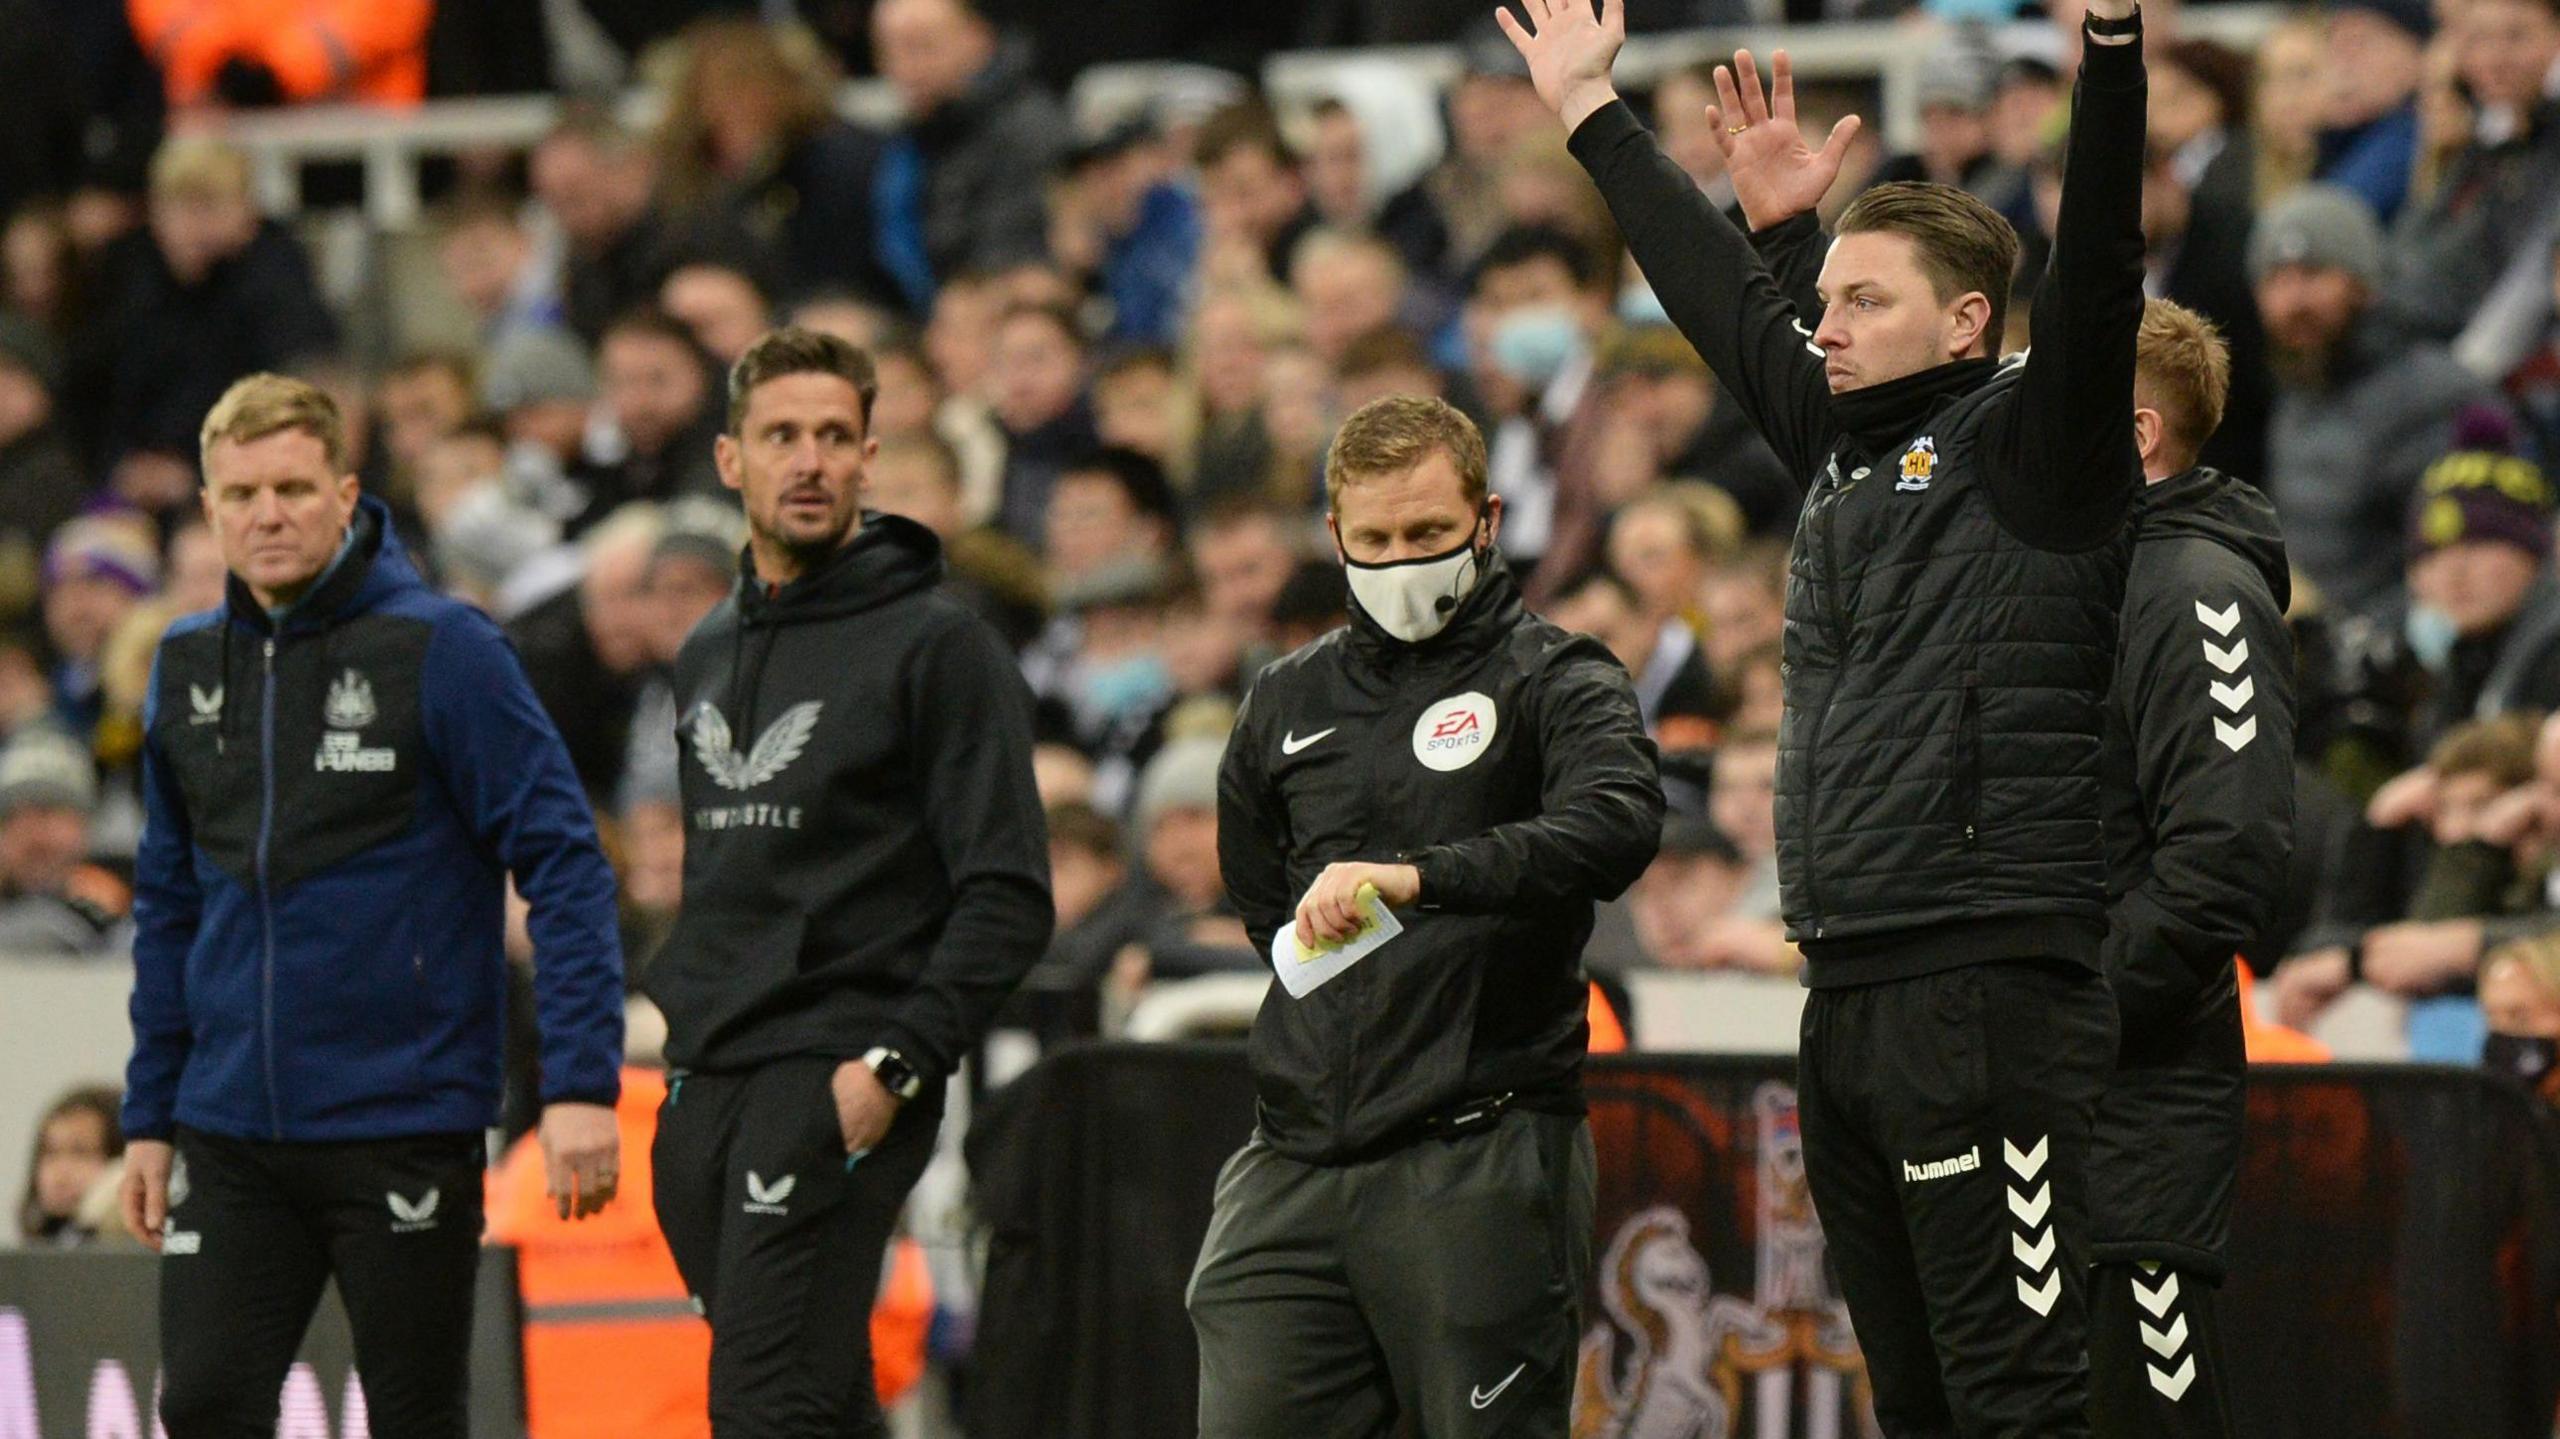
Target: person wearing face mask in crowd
x,y
1413,1215
1535,310
2520,998
2484,612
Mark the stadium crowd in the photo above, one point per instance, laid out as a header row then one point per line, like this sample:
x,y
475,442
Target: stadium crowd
x,y
1110,362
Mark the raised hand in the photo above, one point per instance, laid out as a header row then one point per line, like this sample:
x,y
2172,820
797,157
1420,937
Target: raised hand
x,y
1776,175
1569,51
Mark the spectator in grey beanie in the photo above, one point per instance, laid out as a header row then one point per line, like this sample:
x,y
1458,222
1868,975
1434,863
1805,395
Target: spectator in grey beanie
x,y
2358,415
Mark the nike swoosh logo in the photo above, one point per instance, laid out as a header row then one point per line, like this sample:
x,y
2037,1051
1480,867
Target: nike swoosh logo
x,y
1483,1398
1291,744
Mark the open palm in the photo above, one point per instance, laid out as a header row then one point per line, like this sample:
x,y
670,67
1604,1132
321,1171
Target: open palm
x,y
1776,175
1569,50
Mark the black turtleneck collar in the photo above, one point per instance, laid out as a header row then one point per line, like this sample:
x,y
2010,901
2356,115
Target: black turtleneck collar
x,y
1488,613
1881,414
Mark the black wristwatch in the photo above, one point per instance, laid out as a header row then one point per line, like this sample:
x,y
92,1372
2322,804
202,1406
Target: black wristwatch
x,y
2129,25
893,1071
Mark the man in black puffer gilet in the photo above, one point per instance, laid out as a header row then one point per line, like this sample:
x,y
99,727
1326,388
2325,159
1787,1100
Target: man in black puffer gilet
x,y
1950,635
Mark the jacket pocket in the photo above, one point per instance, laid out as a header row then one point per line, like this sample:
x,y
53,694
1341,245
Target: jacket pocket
x,y
1968,775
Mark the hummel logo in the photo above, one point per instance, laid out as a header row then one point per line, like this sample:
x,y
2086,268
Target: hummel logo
x,y
774,750
409,1218
1291,744
207,704
763,1198
1481,1398
1964,1163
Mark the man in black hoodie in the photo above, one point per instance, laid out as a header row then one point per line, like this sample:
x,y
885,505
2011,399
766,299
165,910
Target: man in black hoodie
x,y
2199,810
1409,1231
1950,636
865,881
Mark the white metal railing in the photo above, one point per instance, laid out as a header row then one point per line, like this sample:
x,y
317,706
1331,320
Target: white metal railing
x,y
391,144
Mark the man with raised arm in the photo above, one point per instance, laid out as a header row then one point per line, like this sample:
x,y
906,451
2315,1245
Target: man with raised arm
x,y
1951,619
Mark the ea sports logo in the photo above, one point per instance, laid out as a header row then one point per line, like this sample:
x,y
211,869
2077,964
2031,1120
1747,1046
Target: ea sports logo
x,y
1455,732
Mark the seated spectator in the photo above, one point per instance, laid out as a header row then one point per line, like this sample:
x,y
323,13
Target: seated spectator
x,y
1038,379
1382,363
1676,904
422,398
478,532
1744,604
916,400
2197,216
1653,381
1350,285
1742,803
1347,194
594,178
41,484
1749,693
1955,136
1661,653
2357,417
1535,311
2369,126
1122,221
1492,108
52,902
1314,603
541,388
918,476
2498,190
208,292
1680,101
751,143
2289,96
659,391
2520,999
98,569
725,307
492,264
1298,419
1662,546
1101,677
1233,332
1175,822
962,183
1253,197
2484,611
78,1143
196,573
1102,912
586,648
1138,404
1244,551
1112,507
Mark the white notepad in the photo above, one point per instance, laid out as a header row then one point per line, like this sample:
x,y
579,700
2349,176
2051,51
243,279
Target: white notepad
x,y
1301,971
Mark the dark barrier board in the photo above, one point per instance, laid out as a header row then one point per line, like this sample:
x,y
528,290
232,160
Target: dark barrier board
x,y
79,1352
2395,1255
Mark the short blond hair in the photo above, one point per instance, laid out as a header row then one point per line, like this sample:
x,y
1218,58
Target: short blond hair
x,y
265,404
1394,433
200,167
2182,370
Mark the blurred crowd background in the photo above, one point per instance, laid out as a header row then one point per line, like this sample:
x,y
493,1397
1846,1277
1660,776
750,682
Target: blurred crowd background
x,y
1114,336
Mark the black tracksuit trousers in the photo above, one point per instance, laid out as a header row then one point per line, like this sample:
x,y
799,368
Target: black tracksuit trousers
x,y
257,1229
780,1236
1946,1139
1438,1284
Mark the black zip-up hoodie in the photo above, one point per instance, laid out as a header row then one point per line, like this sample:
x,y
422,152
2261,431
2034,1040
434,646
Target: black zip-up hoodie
x,y
2199,745
1507,761
865,861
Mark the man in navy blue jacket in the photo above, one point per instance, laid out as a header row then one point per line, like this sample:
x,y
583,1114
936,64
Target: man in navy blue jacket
x,y
341,770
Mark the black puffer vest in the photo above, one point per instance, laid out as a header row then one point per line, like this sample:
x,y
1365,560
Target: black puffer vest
x,y
1938,785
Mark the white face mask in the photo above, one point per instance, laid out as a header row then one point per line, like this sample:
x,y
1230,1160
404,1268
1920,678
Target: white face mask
x,y
1415,599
